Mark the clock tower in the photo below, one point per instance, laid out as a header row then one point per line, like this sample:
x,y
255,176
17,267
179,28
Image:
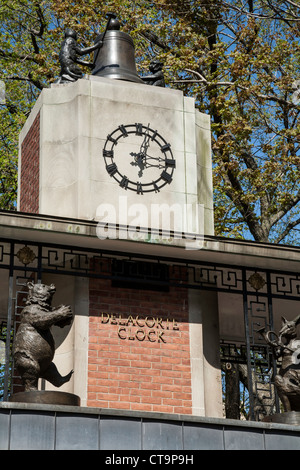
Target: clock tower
x,y
119,151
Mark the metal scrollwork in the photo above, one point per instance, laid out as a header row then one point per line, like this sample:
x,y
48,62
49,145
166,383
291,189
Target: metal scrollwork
x,y
256,281
26,255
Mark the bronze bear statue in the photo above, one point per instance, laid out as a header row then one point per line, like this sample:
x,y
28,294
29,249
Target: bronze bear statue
x,y
34,344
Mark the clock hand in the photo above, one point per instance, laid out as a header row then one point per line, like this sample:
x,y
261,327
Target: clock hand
x,y
150,161
139,158
145,144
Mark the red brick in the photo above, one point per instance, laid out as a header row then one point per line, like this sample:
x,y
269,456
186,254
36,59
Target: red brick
x,y
29,181
152,400
142,407
163,409
119,405
183,409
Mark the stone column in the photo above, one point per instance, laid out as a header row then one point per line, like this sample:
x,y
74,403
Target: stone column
x,y
81,338
71,342
205,353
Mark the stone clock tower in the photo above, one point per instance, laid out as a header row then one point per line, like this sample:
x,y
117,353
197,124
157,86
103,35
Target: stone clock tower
x,y
133,160
118,151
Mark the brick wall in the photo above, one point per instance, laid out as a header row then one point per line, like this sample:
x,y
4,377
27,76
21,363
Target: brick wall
x,y
29,182
139,353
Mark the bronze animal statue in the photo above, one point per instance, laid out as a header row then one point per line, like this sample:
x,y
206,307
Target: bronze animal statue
x,y
34,344
68,57
70,50
157,76
287,381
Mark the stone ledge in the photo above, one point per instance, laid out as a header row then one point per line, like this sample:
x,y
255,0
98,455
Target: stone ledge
x,y
146,415
51,229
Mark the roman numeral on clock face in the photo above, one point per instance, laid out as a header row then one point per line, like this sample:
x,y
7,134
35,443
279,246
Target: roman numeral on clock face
x,y
165,147
124,182
139,188
139,129
108,153
111,139
170,162
111,168
166,176
123,130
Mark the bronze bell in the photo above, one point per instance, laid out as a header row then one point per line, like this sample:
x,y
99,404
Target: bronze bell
x,y
116,58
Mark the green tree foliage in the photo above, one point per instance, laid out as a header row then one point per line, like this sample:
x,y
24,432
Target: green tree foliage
x,y
239,59
23,71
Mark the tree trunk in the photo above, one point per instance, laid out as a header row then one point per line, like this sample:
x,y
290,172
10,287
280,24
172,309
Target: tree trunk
x,y
232,398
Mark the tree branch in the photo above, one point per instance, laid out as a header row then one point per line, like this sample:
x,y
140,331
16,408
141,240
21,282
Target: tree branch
x,y
287,230
285,209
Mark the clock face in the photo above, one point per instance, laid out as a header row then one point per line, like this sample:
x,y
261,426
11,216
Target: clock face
x,y
138,158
